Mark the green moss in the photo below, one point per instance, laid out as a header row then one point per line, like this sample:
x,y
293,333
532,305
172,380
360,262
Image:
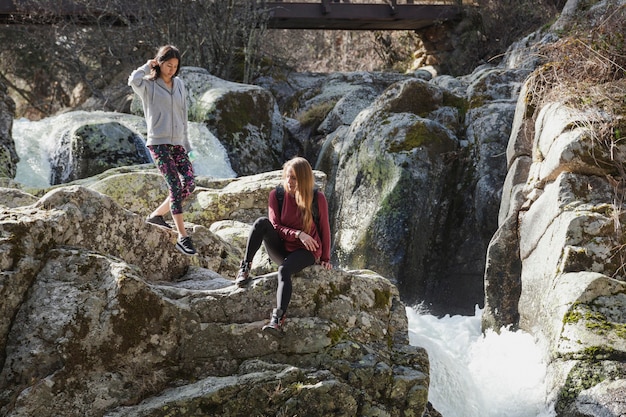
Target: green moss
x,y
382,299
584,375
406,102
581,377
593,320
477,101
421,134
416,136
322,296
233,112
316,114
336,334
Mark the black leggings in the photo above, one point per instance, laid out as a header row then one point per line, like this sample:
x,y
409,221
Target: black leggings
x,y
289,262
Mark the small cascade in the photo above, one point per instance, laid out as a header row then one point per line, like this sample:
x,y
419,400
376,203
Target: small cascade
x,y
35,142
476,375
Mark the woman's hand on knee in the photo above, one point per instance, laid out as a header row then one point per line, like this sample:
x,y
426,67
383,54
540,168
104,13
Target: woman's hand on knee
x,y
308,242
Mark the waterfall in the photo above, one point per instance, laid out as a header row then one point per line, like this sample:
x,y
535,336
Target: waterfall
x,y
476,375
32,143
35,142
212,159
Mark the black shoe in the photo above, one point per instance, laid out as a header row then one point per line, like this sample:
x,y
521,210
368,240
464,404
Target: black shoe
x,y
158,221
243,276
185,246
277,321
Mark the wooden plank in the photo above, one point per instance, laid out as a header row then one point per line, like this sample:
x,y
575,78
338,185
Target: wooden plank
x,y
357,16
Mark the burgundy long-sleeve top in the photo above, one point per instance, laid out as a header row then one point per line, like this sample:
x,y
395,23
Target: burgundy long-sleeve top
x,y
290,222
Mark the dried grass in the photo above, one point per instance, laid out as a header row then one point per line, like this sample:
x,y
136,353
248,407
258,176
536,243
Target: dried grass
x,y
586,70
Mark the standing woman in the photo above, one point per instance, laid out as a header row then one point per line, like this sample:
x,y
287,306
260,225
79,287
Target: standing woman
x,y
164,99
290,235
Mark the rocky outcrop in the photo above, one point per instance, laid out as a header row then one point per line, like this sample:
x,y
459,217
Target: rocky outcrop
x,y
8,155
442,143
317,104
556,264
419,172
392,154
106,318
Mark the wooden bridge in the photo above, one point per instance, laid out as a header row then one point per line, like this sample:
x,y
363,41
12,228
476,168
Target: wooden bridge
x,y
381,15
314,14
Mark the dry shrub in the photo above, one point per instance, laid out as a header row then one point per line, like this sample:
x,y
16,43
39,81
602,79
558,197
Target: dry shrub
x,y
586,70
584,58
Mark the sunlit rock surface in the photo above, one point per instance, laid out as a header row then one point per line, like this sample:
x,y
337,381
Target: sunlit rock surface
x,y
106,317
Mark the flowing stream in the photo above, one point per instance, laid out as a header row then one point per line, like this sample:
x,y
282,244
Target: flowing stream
x,y
476,375
471,375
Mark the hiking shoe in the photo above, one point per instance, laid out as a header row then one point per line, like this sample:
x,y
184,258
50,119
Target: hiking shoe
x,y
185,246
277,321
243,276
158,221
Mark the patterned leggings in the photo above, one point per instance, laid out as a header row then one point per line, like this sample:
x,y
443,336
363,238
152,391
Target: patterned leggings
x,y
173,162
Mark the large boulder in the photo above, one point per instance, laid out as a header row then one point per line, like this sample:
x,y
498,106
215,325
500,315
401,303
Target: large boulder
x,y
107,318
88,149
415,180
81,144
392,158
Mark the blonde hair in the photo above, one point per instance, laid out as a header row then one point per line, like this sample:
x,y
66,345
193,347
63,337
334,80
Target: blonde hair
x,y
304,190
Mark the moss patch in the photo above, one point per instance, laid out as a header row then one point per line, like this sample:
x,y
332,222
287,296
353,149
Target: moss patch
x,y
421,134
584,375
382,299
316,114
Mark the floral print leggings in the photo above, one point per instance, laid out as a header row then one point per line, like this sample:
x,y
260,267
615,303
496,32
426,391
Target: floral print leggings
x,y
173,162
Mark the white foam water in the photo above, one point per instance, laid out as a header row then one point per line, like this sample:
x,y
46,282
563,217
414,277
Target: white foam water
x,y
480,375
35,142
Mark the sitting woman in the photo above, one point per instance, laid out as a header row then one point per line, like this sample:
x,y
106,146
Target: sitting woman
x,y
291,237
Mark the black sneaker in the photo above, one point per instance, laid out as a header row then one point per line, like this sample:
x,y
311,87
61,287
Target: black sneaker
x,y
243,276
185,246
158,221
277,321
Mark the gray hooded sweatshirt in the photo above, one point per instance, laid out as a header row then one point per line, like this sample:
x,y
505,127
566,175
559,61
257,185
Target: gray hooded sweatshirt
x,y
165,110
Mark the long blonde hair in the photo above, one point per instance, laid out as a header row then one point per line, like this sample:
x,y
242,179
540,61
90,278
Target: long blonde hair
x,y
304,190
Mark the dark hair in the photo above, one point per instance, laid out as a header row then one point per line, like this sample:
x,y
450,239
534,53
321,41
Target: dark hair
x,y
165,53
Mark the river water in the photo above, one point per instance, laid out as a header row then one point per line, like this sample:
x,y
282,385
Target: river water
x,y
472,374
480,375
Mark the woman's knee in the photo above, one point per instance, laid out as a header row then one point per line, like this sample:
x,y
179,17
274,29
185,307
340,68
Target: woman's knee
x,y
188,190
284,274
262,223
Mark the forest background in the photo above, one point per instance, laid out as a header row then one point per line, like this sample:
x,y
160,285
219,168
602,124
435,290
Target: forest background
x,y
82,61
